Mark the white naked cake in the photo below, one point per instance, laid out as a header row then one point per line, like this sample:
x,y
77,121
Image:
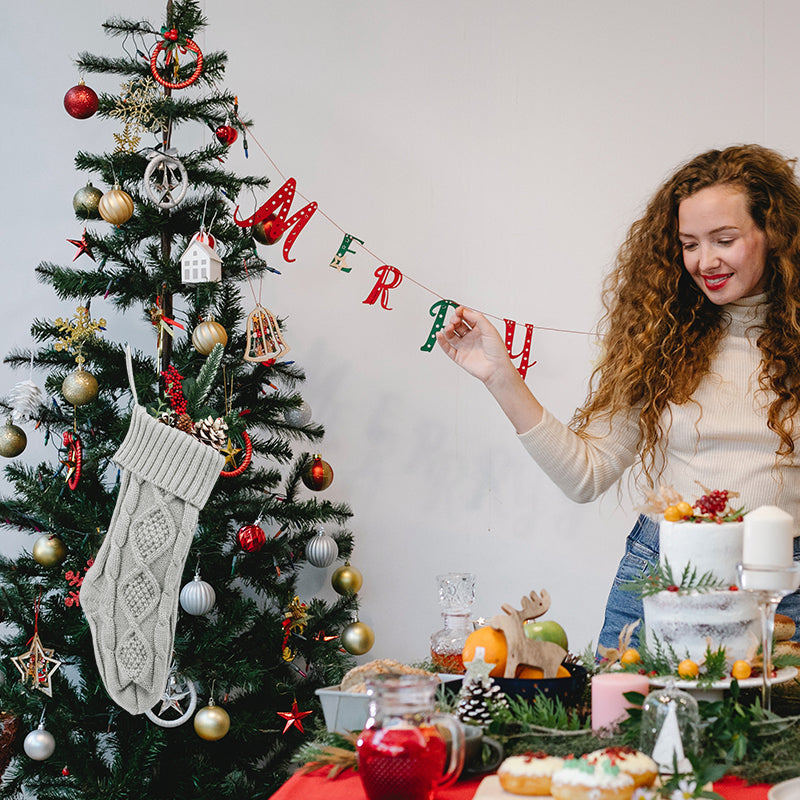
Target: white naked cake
x,y
701,551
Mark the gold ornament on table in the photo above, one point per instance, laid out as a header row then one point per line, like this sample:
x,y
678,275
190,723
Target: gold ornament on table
x,y
208,334
346,579
12,440
49,550
211,722
357,638
265,341
116,206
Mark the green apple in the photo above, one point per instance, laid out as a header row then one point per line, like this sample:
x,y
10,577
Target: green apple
x,y
546,630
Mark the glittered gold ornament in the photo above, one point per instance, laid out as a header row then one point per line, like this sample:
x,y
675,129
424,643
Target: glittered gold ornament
x,y
12,440
49,550
79,387
212,722
86,202
357,638
318,475
208,334
116,206
346,580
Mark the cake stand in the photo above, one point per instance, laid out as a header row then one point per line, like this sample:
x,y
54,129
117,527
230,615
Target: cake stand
x,y
714,691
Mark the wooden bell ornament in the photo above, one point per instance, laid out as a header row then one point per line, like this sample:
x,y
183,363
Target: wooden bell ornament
x,y
265,341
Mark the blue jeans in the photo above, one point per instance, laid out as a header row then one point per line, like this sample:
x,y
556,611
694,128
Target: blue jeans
x,y
641,550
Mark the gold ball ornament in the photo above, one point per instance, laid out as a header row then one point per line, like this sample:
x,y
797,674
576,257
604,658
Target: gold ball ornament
x,y
357,638
208,334
116,206
318,475
86,202
79,387
346,580
12,440
49,550
212,722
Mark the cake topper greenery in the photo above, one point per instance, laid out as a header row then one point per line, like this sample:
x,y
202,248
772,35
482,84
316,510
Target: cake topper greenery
x,y
712,506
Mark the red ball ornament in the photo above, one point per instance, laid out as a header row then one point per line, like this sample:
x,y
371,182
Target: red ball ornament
x,y
269,230
80,101
318,475
226,134
251,538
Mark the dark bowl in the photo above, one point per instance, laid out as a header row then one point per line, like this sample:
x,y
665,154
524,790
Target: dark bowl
x,y
568,690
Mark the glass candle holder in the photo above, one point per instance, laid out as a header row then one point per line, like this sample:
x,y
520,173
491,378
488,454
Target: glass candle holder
x,y
769,585
670,728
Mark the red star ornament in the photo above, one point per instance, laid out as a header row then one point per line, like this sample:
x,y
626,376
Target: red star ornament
x,y
82,245
293,717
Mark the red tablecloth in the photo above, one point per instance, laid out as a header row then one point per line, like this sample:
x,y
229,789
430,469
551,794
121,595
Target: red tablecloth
x,y
347,786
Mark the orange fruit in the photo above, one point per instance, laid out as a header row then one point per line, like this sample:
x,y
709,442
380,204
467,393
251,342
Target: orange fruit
x,y
688,670
685,509
741,670
630,656
494,643
535,673
672,514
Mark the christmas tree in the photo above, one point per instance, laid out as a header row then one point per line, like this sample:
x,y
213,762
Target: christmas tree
x,y
168,530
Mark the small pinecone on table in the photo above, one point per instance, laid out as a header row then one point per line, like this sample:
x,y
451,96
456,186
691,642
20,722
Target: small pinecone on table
x,y
210,431
183,422
477,699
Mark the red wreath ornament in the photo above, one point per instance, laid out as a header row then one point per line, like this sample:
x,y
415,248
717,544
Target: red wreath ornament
x,y
167,43
74,459
248,457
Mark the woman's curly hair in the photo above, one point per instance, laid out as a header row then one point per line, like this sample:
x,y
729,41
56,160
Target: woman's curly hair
x,y
660,331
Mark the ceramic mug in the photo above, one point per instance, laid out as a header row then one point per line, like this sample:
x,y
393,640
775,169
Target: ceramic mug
x,y
482,754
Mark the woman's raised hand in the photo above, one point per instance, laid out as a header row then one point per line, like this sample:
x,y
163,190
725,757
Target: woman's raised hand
x,y
474,344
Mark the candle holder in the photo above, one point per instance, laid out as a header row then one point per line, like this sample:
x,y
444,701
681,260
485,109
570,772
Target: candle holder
x,y
769,585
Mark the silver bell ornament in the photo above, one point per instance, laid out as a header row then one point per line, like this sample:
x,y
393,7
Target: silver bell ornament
x,y
321,550
39,744
197,596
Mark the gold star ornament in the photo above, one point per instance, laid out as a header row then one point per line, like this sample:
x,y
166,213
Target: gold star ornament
x,y
38,666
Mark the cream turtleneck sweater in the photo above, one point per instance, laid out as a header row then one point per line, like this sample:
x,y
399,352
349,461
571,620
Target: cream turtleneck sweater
x,y
720,438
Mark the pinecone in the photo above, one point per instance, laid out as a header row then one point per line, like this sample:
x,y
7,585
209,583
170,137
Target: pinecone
x,y
477,701
183,422
168,417
213,432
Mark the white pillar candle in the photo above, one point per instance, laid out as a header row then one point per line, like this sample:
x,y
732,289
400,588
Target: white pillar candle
x,y
768,538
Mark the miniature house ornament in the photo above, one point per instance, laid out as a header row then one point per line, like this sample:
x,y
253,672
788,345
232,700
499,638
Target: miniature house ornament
x,y
200,262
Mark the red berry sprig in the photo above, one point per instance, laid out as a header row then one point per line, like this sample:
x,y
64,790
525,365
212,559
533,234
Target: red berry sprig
x,y
174,390
712,503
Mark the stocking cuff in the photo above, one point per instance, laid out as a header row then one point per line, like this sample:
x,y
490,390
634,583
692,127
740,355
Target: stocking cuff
x,y
169,458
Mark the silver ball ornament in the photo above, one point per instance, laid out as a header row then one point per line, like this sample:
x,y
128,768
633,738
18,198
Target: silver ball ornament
x,y
321,550
39,744
197,597
298,416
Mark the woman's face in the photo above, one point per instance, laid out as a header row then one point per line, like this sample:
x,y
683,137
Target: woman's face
x,y
724,251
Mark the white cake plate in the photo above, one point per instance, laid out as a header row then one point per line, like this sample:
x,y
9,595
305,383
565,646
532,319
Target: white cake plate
x,y
714,691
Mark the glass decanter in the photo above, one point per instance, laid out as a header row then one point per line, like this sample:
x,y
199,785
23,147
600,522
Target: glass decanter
x,y
456,596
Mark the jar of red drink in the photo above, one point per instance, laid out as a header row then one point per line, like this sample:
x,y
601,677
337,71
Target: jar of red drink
x,y
407,749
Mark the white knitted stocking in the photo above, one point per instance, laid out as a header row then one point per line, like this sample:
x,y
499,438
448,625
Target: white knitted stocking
x,y
130,594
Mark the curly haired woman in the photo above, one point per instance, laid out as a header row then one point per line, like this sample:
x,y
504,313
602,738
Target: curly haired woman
x,y
700,375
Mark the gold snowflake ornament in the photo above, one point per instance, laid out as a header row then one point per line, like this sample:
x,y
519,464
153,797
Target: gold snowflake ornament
x,y
76,331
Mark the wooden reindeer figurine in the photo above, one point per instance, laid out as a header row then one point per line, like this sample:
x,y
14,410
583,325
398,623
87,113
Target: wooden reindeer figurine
x,y
547,656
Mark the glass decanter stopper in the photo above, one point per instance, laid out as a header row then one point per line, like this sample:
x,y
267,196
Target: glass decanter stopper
x,y
456,596
670,728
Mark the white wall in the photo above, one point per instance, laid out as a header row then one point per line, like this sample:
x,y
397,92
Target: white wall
x,y
495,153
